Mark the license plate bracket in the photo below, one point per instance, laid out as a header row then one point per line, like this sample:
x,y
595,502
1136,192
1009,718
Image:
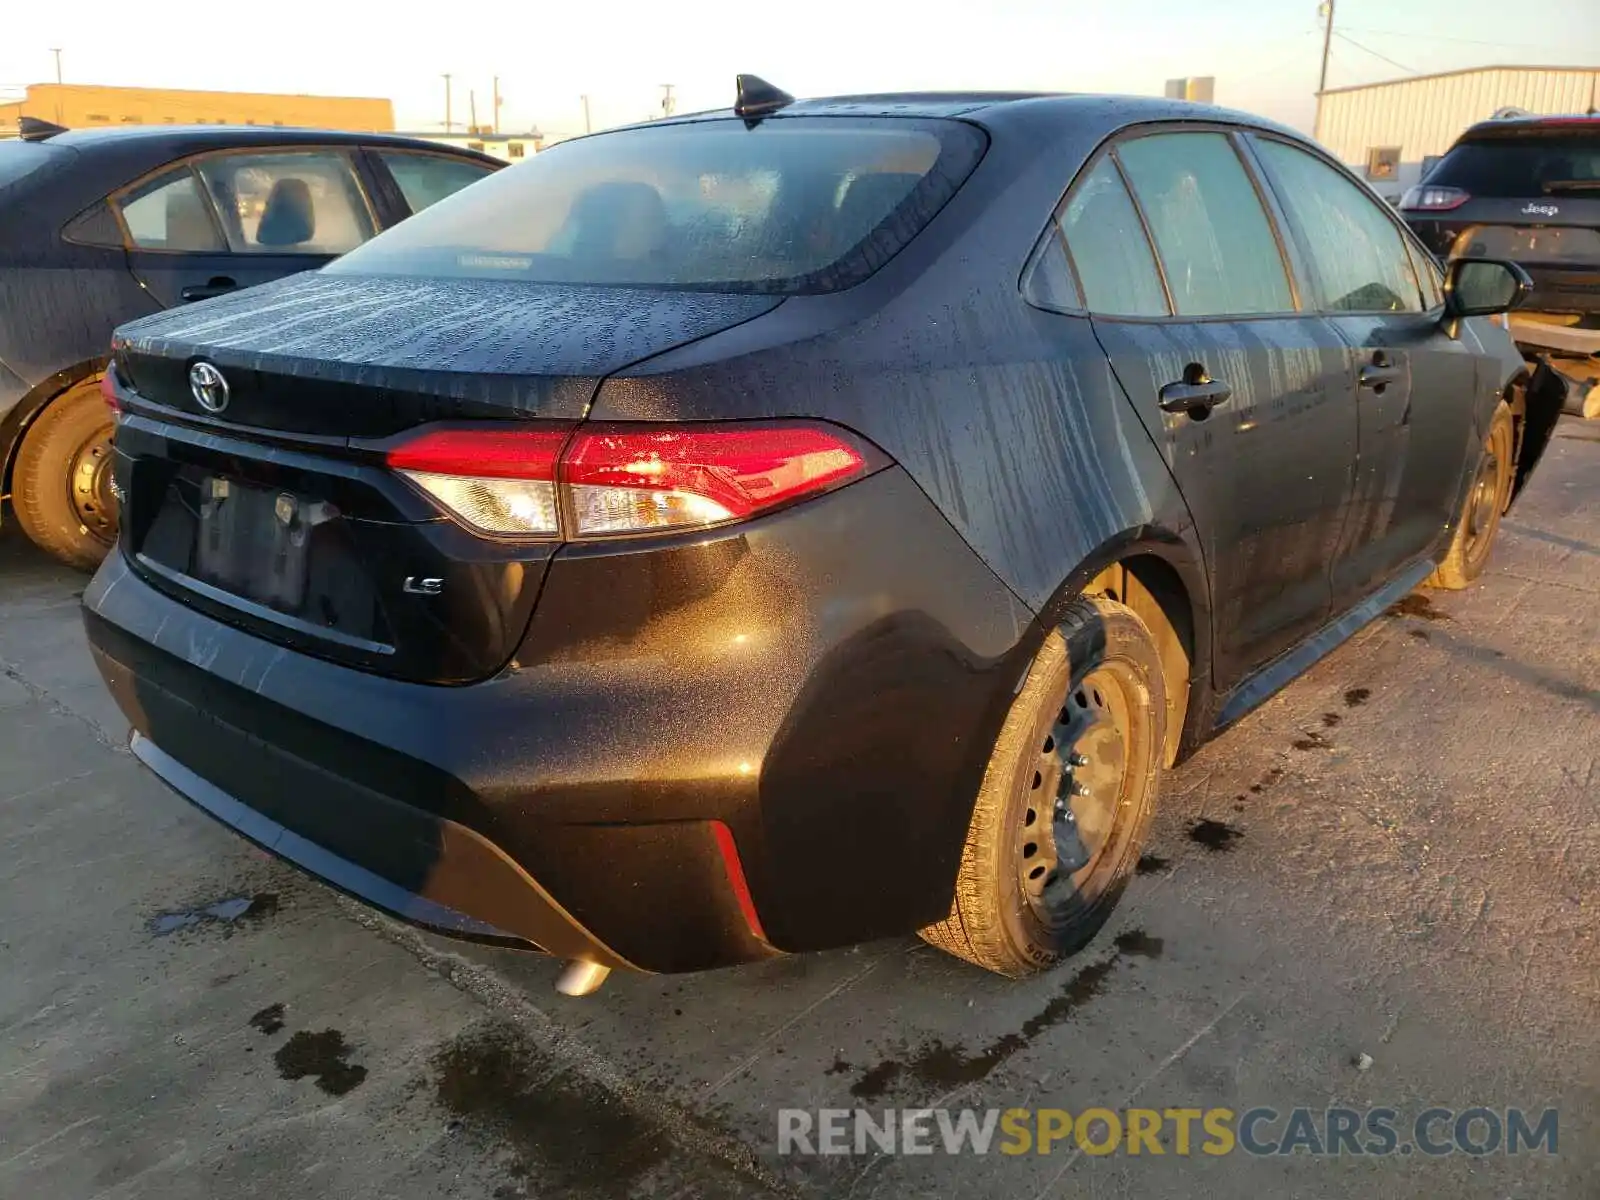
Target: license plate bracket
x,y
255,542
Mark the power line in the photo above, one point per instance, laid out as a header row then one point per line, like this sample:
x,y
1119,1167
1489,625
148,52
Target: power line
x,y
1441,37
1343,37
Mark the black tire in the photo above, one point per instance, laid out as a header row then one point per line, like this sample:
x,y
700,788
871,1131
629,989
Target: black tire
x,y
1098,669
61,482
1479,519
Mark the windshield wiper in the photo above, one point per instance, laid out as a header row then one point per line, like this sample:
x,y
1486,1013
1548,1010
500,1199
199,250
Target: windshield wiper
x,y
1554,186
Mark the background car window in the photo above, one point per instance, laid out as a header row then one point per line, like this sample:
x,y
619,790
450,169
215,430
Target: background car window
x,y
1212,234
169,213
426,179
1530,165
1048,282
1115,266
302,202
1358,254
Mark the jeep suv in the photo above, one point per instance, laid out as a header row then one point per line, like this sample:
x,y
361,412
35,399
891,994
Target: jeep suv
x,y
1525,189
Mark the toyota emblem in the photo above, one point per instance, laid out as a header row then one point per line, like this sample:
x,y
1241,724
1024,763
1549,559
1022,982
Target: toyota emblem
x,y
208,386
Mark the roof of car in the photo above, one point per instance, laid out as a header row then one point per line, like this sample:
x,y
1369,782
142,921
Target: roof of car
x,y
187,138
1508,126
990,106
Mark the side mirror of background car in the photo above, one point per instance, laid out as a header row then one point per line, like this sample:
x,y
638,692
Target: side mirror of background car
x,y
1480,287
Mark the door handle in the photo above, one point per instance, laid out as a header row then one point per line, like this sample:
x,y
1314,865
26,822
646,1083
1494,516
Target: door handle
x,y
1196,393
217,285
1380,372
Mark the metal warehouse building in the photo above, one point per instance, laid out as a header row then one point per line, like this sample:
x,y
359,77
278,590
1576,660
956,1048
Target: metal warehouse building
x,y
1391,131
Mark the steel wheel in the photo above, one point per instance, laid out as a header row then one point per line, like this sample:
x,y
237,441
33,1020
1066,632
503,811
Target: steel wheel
x,y
1077,818
89,487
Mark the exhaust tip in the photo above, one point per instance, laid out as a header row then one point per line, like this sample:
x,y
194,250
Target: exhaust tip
x,y
581,978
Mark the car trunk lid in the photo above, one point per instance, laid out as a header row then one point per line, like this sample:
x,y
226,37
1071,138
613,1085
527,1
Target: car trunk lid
x,y
270,506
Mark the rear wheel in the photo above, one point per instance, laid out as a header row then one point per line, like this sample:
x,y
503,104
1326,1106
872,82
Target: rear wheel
x,y
1066,799
61,485
1480,515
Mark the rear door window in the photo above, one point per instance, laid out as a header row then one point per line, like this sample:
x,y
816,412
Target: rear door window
x,y
1357,253
426,179
1529,166
793,204
291,202
1107,242
169,213
1216,245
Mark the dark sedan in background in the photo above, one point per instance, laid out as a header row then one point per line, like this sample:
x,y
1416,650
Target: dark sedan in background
x,y
98,227
772,529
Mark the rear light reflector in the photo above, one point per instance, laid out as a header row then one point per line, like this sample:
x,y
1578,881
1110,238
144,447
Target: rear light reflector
x,y
619,479
108,391
495,481
1434,199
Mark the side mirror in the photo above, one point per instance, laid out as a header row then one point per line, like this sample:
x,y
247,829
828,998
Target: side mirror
x,y
1481,287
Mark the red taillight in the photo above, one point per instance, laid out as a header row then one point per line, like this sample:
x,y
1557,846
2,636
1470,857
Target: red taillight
x,y
608,480
736,879
108,392
498,481
622,480
1433,199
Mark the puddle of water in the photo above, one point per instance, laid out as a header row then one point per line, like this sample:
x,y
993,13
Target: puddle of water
x,y
323,1056
269,1020
229,911
1214,835
1417,605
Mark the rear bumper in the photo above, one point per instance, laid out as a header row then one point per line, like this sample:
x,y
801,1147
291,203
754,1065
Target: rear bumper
x,y
818,696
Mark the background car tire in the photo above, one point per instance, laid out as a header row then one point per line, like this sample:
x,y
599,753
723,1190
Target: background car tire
x,y
59,485
1101,653
1479,519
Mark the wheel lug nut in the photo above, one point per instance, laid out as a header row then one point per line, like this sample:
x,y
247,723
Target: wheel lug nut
x,y
1079,789
1077,760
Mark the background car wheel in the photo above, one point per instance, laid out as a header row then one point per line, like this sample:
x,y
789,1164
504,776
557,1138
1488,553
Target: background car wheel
x,y
1066,799
61,485
1480,515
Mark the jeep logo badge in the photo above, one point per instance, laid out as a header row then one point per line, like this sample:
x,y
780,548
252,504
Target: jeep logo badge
x,y
208,387
1542,210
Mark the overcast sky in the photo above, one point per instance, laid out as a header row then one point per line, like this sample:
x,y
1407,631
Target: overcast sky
x,y
1264,53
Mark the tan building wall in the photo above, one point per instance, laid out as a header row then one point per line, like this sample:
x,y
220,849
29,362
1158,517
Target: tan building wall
x,y
1421,116
88,106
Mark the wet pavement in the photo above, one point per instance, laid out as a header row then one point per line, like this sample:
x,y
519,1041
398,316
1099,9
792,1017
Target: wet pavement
x,y
1381,889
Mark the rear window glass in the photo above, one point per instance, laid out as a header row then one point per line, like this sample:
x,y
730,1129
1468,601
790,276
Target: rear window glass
x,y
792,205
1544,165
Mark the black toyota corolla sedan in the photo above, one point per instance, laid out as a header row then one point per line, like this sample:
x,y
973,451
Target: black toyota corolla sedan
x,y
99,226
776,528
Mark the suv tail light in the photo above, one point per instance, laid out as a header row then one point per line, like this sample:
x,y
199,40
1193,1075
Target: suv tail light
x,y
1436,199
610,480
108,391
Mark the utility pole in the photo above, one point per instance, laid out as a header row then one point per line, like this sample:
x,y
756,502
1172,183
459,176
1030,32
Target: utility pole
x,y
668,104
1326,9
496,121
57,53
472,110
587,126
448,123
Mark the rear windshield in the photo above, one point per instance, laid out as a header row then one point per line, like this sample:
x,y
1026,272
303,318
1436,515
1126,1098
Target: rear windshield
x,y
19,159
790,205
1533,166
